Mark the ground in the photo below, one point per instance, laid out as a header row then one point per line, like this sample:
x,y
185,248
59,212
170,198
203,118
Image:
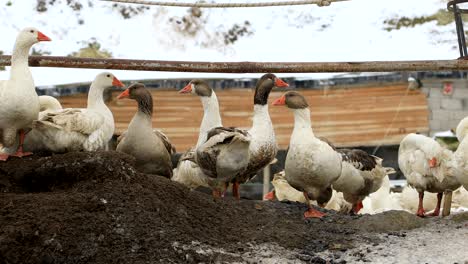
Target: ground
x,y
95,208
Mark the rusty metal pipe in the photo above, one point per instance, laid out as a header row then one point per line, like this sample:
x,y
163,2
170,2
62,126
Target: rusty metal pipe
x,y
243,67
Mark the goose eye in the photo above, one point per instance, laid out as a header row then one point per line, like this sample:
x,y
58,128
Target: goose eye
x,y
108,75
32,31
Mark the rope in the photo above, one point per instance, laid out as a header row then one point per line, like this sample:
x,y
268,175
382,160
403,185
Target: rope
x,y
397,112
228,5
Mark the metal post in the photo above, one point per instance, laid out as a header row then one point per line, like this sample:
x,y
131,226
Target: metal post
x,y
266,180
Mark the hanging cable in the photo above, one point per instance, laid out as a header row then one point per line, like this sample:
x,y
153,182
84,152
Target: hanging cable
x,y
227,5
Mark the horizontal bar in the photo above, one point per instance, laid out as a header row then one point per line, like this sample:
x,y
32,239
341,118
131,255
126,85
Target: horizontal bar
x,y
243,67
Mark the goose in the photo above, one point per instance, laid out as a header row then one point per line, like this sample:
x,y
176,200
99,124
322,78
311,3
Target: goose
x,y
461,154
263,147
284,192
48,104
151,149
187,171
76,129
361,175
382,200
20,103
428,167
311,165
223,156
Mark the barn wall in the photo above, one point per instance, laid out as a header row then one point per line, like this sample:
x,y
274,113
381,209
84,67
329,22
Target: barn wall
x,y
445,109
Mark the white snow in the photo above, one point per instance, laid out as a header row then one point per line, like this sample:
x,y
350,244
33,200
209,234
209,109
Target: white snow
x,y
354,33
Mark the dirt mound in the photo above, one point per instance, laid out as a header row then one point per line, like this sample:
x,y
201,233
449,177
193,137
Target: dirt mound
x,y
94,207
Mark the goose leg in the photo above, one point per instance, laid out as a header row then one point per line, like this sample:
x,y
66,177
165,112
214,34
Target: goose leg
x,y
19,152
226,186
437,209
235,190
3,157
357,207
420,212
311,212
8,141
216,194
270,196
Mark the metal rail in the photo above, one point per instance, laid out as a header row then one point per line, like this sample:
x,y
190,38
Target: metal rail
x,y
243,67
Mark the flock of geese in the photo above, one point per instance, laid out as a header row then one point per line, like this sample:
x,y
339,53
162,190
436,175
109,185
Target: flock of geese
x,y
222,156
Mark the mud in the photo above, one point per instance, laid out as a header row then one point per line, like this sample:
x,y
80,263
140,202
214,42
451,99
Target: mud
x,y
96,208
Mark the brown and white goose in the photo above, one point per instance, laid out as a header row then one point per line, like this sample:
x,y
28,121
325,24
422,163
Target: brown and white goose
x,y
263,147
18,97
151,148
223,156
312,165
188,172
361,175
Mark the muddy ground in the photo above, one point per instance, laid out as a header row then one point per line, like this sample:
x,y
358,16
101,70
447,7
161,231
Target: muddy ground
x,y
95,208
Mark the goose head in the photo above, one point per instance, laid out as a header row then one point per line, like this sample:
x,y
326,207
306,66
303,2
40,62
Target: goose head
x,y
139,93
30,36
197,87
292,100
106,80
264,87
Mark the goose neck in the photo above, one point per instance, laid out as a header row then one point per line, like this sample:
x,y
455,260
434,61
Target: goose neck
x,y
19,62
211,116
141,121
96,97
261,117
302,119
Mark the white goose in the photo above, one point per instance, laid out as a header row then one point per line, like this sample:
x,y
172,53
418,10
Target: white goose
x,y
461,154
188,172
76,129
48,104
428,167
18,97
263,147
312,165
151,148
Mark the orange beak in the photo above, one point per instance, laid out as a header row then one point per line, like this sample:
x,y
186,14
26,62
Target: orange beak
x,y
280,83
280,101
432,163
269,196
186,89
42,37
124,94
116,82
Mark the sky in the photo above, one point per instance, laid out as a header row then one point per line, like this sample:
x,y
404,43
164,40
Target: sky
x,y
354,32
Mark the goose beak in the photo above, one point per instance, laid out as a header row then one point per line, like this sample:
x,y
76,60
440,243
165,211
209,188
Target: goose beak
x,y
433,163
186,89
124,94
280,101
280,83
117,82
42,37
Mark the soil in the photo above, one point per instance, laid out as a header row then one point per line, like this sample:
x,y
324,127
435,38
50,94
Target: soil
x,y
96,208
